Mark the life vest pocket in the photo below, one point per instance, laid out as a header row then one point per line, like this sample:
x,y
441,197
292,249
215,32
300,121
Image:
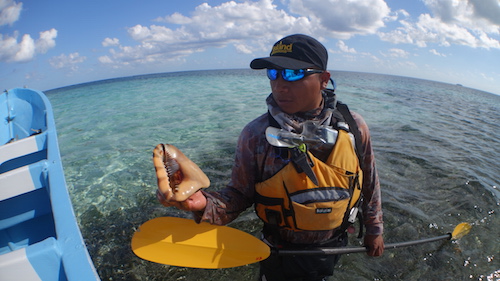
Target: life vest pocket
x,y
343,178
319,209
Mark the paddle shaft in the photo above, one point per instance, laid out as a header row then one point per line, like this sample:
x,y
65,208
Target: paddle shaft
x,y
349,250
185,243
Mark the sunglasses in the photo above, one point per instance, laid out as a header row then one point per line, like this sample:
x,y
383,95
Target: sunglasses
x,y
291,74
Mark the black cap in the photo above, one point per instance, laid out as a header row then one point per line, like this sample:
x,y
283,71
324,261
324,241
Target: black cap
x,y
296,51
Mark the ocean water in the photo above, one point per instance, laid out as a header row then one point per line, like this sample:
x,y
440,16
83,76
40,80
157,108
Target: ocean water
x,y
436,147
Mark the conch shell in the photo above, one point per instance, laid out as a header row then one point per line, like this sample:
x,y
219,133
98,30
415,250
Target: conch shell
x,y
178,176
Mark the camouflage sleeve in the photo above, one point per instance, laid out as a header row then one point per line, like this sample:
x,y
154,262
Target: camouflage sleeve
x,y
225,205
372,204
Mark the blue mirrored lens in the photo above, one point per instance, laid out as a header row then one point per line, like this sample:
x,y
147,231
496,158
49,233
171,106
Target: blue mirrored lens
x,y
292,74
272,74
287,74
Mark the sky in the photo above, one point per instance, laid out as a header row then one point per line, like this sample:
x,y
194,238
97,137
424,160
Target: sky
x,y
56,43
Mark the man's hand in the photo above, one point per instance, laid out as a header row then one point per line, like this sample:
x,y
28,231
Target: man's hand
x,y
195,202
375,245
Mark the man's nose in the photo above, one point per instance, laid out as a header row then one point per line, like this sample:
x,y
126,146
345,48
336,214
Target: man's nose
x,y
280,84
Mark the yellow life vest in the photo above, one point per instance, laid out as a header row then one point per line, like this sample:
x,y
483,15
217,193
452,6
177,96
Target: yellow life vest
x,y
289,199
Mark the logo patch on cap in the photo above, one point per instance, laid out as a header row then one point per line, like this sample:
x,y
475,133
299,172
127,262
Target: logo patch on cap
x,y
296,51
282,48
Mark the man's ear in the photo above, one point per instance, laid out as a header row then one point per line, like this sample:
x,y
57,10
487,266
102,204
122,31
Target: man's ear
x,y
325,79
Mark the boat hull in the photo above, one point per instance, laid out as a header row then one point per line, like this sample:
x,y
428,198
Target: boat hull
x,y
39,235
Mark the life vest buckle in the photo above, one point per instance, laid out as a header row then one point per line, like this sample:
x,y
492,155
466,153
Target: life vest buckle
x,y
303,162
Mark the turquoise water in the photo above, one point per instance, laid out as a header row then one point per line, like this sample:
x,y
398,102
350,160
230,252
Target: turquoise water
x,y
436,148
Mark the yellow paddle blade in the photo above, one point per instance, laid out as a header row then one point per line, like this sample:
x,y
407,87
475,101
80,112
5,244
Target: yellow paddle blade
x,y
183,242
460,230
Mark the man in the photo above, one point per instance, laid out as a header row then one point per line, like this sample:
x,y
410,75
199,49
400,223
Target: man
x,y
305,185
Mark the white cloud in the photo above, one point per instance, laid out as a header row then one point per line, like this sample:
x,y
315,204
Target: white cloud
x,y
175,18
344,48
242,48
110,42
46,41
467,22
11,50
398,53
343,19
435,52
7,47
25,49
9,12
69,62
249,26
105,59
471,13
229,23
488,10
395,15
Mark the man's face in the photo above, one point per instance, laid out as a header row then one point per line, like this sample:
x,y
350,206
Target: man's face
x,y
299,96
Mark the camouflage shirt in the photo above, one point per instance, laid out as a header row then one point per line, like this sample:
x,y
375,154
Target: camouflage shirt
x,y
256,160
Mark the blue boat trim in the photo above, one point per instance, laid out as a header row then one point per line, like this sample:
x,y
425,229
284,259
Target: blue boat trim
x,y
39,235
